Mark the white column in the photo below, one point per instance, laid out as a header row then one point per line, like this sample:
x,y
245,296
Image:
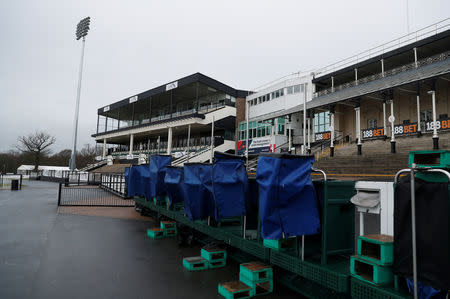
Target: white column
x,y
304,120
272,139
384,119
188,142
382,67
392,123
104,149
332,129
169,141
290,139
332,84
131,144
212,141
356,76
415,57
418,113
247,130
309,133
433,102
358,125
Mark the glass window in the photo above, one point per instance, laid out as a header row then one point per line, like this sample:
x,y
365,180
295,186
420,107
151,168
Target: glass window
x,y
289,90
296,88
372,123
302,88
282,92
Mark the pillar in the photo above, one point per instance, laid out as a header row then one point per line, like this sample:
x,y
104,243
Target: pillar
x,y
131,144
169,141
382,67
332,131
332,84
384,119
309,133
356,76
358,128
104,149
392,120
188,142
435,133
212,141
415,57
419,128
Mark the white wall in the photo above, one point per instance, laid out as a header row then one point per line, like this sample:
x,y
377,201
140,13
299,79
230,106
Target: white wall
x,y
283,102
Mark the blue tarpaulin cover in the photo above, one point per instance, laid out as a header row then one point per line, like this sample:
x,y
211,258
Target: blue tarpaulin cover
x,y
230,185
174,183
198,201
158,165
126,174
287,198
139,181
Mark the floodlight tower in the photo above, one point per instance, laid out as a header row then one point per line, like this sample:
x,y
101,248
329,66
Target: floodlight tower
x,y
82,31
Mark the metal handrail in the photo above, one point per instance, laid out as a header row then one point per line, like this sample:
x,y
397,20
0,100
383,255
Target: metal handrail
x,y
313,169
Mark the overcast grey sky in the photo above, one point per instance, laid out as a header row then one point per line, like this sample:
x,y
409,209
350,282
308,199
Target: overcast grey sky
x,y
137,45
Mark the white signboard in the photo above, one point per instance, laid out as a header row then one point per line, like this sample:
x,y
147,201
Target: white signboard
x,y
259,142
106,109
172,85
133,99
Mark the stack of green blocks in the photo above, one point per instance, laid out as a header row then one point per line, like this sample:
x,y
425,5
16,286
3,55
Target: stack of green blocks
x,y
255,279
166,229
216,257
281,244
373,263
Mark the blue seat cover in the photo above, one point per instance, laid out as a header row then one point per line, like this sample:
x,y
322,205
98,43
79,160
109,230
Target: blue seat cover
x,y
139,181
198,200
174,184
158,165
287,198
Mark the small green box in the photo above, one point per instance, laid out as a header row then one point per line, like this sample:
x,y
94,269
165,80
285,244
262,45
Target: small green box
x,y
213,254
195,263
370,272
235,289
281,244
256,271
170,232
376,248
433,159
168,225
260,288
217,264
155,233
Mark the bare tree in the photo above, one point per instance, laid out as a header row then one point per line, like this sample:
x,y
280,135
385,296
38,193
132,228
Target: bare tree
x,y
36,144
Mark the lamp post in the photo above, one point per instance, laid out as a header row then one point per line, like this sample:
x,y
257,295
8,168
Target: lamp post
x,y
82,31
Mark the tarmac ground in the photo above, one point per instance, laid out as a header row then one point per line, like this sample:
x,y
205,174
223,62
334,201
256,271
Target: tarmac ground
x,y
46,252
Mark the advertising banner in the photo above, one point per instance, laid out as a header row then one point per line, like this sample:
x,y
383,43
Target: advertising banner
x,y
323,136
256,145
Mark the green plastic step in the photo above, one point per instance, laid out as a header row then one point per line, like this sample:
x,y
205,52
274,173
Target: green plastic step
x,y
213,254
195,263
217,264
279,244
235,290
155,233
170,232
370,272
377,248
263,287
168,225
433,159
256,271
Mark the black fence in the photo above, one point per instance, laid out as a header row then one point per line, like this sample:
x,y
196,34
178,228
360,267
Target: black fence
x,y
114,183
74,194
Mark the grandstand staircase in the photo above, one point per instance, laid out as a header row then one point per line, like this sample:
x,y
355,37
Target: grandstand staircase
x,y
376,161
205,154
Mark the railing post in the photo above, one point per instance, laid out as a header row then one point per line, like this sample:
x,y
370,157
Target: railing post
x,y
59,194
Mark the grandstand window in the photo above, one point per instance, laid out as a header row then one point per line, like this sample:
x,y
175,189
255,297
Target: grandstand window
x,y
296,88
443,116
321,122
289,89
372,123
282,92
426,115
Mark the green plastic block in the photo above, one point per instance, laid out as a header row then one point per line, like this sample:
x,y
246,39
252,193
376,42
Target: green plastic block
x,y
168,225
260,288
217,264
235,289
433,159
370,272
195,263
214,254
256,271
155,233
378,249
170,232
279,244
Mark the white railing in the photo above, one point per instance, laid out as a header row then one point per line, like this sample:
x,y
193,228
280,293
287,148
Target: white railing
x,y
404,40
391,72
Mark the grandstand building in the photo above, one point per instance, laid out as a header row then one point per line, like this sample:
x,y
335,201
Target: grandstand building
x,y
398,90
162,120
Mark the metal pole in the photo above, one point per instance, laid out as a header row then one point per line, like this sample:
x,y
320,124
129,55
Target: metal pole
x,y
212,140
246,133
384,119
188,142
304,121
77,108
435,134
418,114
413,226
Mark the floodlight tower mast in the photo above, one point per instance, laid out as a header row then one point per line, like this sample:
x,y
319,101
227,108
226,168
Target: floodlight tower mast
x,y
82,31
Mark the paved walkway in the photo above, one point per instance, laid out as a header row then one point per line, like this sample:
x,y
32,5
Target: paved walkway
x,y
44,254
